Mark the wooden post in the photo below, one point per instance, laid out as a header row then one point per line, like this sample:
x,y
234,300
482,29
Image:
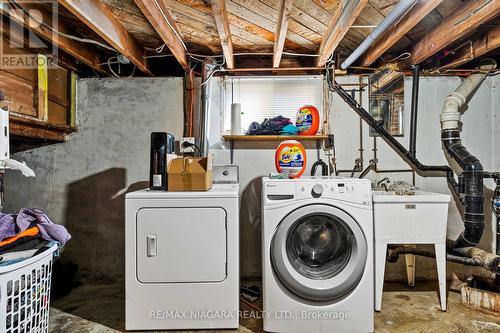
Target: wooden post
x,y
43,88
72,110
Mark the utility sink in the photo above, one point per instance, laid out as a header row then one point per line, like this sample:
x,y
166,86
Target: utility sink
x,y
410,219
418,218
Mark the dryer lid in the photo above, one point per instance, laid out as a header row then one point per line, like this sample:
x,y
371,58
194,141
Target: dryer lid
x,y
319,253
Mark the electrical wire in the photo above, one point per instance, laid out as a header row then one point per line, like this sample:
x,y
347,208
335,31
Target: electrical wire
x,y
158,56
402,56
171,26
109,62
189,144
210,76
83,40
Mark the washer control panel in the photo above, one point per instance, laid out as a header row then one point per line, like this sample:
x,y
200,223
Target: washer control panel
x,y
348,190
344,189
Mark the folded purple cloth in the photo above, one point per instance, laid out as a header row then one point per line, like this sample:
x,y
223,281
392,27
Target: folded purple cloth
x,y
11,225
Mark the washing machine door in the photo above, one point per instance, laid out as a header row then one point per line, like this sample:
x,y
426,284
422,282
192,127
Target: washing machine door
x,y
319,253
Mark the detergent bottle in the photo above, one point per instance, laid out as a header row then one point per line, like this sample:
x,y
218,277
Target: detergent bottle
x,y
291,157
307,120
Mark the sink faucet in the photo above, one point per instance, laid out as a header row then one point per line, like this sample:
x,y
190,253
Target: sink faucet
x,y
383,183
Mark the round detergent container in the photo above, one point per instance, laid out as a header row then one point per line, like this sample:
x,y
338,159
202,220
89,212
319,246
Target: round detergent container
x,y
291,156
307,120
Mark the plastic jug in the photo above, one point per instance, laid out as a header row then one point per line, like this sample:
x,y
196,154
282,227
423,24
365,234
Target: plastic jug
x,y
307,120
291,157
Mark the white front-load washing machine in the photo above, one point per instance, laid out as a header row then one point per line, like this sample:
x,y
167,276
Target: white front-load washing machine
x,y
317,245
182,259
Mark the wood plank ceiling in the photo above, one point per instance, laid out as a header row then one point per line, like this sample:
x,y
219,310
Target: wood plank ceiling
x,y
275,28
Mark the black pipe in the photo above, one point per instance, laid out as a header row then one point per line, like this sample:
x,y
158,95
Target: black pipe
x,y
414,110
394,254
473,202
391,140
495,206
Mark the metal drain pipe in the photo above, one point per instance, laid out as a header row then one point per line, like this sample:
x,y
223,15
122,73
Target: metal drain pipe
x,y
399,10
391,140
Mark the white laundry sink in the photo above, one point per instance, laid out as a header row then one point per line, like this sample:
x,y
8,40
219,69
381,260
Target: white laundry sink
x,y
409,219
419,218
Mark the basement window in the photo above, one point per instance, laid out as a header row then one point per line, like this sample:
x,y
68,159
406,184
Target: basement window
x,y
270,96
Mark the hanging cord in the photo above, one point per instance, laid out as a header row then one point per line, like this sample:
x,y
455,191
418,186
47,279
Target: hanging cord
x,y
402,56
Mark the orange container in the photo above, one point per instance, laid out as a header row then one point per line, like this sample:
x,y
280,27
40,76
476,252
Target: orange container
x,y
291,156
307,120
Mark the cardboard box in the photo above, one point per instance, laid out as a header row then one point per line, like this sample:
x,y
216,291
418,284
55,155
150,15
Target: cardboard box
x,y
190,174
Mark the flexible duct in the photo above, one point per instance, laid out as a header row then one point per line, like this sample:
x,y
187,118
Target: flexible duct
x,y
470,190
399,10
207,67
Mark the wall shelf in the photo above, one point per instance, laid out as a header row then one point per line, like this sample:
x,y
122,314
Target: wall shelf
x,y
274,137
232,138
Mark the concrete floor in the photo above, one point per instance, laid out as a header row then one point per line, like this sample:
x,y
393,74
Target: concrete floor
x,y
98,307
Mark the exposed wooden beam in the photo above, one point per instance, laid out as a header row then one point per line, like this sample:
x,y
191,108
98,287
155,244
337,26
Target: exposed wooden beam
x,y
33,128
281,30
80,51
385,81
342,19
222,23
158,15
100,19
464,20
397,31
484,44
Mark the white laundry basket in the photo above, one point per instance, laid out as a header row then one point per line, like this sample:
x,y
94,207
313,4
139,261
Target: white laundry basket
x,y
25,294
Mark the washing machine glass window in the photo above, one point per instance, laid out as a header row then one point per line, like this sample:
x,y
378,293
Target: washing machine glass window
x,y
319,246
318,253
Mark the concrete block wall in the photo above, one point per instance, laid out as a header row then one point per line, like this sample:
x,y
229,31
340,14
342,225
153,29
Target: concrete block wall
x,y
81,183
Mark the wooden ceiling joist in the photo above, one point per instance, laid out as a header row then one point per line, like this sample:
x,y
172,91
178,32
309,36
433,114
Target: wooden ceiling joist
x,y
100,19
397,31
281,29
80,51
158,15
343,18
384,81
464,20
222,22
487,42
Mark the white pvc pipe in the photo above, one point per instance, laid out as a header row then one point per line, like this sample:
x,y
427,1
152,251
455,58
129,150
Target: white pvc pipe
x,y
450,115
389,20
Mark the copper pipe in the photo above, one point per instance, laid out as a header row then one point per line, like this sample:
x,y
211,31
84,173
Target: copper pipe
x,y
189,96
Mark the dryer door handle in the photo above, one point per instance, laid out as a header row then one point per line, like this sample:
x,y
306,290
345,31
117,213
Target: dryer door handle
x,y
151,247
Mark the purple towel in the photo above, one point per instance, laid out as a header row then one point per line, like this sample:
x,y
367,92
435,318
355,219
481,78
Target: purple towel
x,y
48,230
